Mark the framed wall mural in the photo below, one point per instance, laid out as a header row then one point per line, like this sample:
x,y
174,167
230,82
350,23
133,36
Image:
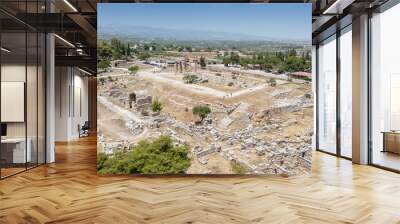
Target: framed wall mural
x,y
204,89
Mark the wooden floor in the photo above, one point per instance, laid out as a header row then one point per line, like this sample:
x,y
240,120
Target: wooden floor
x,y
386,159
5,172
69,191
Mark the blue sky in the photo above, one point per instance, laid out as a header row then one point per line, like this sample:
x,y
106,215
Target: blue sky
x,y
286,21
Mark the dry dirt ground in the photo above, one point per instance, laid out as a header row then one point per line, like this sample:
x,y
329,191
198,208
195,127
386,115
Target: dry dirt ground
x,y
253,95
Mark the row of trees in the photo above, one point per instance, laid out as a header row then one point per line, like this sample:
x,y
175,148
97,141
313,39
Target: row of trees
x,y
279,61
288,61
112,50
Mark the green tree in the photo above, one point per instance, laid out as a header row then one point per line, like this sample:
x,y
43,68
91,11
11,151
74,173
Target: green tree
x,y
104,51
128,50
103,64
308,55
235,59
160,156
116,54
201,111
190,78
295,64
292,52
144,55
133,69
203,62
156,105
226,61
280,55
117,48
101,159
115,43
267,65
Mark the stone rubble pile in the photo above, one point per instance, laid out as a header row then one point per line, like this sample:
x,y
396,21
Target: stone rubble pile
x,y
134,127
143,101
282,106
110,147
199,151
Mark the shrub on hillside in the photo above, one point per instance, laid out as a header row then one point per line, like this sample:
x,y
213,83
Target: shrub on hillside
x,y
201,111
238,168
103,64
156,105
190,78
133,69
160,156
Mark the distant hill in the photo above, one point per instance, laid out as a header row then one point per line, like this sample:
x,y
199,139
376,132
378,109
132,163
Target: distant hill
x,y
149,33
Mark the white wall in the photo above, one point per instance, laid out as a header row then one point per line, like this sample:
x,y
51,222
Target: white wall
x,y
33,126
82,83
10,73
71,87
62,82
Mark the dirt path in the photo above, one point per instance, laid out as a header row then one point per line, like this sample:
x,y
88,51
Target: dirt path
x,y
249,90
124,113
158,77
180,84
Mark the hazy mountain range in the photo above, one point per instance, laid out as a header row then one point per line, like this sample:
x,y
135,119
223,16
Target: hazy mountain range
x,y
141,32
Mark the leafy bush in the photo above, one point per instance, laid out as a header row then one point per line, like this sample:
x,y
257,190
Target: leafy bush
x,y
226,61
201,111
103,64
238,168
156,105
293,64
160,156
101,159
143,55
307,79
133,69
190,78
272,82
202,62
